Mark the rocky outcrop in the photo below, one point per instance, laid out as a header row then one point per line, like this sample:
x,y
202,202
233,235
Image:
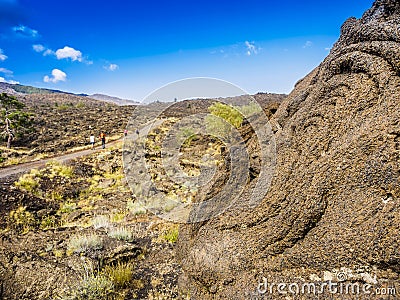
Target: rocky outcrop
x,y
334,203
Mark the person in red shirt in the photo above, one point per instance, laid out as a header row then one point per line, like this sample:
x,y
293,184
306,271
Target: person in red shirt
x,y
103,139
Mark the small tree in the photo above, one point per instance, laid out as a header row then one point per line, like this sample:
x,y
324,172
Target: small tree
x,y
13,118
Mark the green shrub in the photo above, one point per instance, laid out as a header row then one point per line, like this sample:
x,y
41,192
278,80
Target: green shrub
x,y
48,222
67,207
21,220
120,274
80,105
28,182
233,115
230,114
172,234
58,169
55,196
63,106
118,216
249,109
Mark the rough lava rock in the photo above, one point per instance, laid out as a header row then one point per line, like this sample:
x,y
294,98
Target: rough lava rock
x,y
334,203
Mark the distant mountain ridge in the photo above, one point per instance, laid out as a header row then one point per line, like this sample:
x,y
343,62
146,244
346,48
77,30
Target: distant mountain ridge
x,y
112,99
26,89
18,89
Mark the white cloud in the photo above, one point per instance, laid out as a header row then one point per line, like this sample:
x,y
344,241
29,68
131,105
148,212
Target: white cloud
x,y
111,67
6,71
2,79
251,48
3,57
68,52
62,53
48,52
26,31
56,76
308,44
42,49
38,48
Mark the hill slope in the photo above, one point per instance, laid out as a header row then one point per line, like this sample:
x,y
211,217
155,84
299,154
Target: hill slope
x,y
63,122
25,89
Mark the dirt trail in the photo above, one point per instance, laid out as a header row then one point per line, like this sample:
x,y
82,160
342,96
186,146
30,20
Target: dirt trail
x,y
22,168
25,167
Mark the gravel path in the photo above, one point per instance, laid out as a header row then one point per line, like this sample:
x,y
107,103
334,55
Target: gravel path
x,y
25,167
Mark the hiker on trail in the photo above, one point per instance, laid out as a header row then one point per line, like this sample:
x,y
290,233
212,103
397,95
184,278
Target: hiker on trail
x,y
125,132
103,139
92,140
137,131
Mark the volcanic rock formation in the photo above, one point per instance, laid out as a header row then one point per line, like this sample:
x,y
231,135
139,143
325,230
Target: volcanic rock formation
x,y
334,204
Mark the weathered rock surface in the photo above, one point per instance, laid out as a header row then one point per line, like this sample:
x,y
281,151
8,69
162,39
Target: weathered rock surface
x,y
334,203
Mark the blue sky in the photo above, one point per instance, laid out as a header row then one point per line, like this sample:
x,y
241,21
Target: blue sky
x,y
130,48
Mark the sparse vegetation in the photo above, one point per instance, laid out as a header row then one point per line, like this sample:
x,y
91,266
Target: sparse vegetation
x,y
249,109
188,135
217,125
101,222
120,274
67,207
29,182
48,222
58,253
63,106
223,117
118,216
84,243
171,235
58,122
21,220
55,196
91,287
80,105
58,169
229,113
135,207
120,233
